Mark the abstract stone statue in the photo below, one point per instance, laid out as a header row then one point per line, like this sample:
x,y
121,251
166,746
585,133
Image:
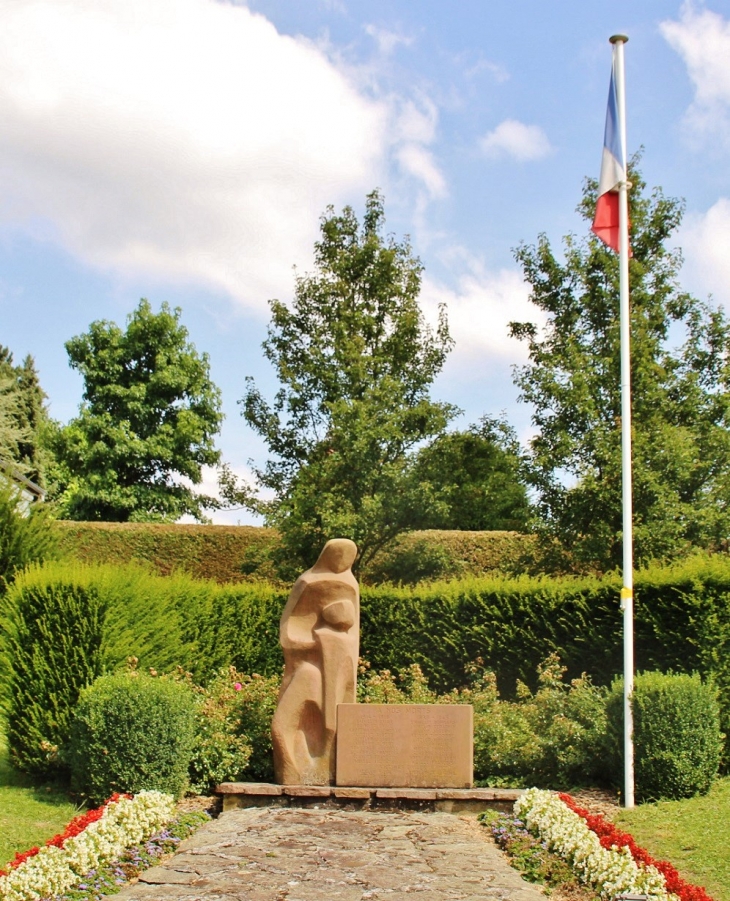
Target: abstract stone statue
x,y
319,632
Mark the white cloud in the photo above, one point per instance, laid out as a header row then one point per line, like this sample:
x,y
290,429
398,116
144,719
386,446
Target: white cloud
x,y
419,162
705,238
386,39
498,72
480,308
209,487
414,128
515,139
416,122
179,139
702,39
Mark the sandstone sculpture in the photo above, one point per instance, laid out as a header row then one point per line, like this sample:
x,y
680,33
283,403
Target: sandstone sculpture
x,y
319,632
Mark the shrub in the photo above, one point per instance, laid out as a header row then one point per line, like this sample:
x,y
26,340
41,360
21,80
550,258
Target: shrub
x,y
255,705
409,686
220,752
420,560
677,738
53,636
233,729
552,738
132,732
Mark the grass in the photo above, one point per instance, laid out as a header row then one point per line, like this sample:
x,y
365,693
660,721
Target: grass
x,y
29,814
694,835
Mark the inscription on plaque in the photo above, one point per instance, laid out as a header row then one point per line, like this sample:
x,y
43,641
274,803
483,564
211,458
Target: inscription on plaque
x,y
405,745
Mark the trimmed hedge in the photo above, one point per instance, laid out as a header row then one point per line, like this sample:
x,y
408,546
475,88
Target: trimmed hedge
x,y
227,554
162,621
682,623
205,552
64,624
53,637
421,556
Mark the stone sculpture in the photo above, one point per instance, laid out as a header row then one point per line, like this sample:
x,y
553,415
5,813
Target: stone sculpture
x,y
319,632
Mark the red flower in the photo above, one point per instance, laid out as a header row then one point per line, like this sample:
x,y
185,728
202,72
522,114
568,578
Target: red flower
x,y
611,837
75,827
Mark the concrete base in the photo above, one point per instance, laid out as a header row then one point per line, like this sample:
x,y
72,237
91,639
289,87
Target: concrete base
x,y
445,800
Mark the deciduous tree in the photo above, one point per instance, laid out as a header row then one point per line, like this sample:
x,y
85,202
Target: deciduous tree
x,y
476,479
680,356
147,423
356,360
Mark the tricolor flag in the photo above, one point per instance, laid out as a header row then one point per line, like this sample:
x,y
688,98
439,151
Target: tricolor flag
x,y
613,172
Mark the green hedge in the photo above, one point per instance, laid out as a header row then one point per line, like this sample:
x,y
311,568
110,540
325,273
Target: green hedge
x,y
53,635
421,556
227,554
64,624
205,552
682,623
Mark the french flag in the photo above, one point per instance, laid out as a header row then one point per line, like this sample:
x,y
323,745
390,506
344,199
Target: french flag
x,y
613,172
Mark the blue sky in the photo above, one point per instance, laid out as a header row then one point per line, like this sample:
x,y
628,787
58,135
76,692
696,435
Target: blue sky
x,y
184,150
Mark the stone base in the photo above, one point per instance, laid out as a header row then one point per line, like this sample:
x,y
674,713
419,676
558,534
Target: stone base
x,y
445,800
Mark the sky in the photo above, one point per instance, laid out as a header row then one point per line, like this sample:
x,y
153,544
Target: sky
x,y
185,150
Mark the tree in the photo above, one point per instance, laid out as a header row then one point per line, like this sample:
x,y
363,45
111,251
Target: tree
x,y
355,360
26,535
680,356
148,419
23,417
476,478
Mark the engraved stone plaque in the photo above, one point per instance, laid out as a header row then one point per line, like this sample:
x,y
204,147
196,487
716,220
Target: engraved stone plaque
x,y
405,745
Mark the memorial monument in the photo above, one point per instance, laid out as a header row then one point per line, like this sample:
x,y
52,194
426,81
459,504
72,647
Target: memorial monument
x,y
320,735
320,634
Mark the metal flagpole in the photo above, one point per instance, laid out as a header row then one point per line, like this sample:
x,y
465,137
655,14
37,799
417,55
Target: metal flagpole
x,y
627,591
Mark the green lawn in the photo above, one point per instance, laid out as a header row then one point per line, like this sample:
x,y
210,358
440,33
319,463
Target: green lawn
x,y
28,815
694,835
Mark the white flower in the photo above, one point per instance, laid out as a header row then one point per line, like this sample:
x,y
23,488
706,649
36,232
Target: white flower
x,y
611,871
53,870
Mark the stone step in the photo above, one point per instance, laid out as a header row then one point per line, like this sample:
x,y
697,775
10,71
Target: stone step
x,y
444,800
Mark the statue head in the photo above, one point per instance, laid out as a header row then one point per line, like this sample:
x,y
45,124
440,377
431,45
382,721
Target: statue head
x,y
337,556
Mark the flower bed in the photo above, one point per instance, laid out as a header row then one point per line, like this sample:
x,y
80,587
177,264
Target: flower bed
x,y
89,841
610,837
600,854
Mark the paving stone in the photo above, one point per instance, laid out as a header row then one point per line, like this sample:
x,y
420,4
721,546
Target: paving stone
x,y
295,854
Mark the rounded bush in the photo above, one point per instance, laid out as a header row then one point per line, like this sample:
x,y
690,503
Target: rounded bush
x,y
132,732
677,738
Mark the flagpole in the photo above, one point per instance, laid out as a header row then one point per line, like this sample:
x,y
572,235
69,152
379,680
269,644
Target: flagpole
x,y
627,591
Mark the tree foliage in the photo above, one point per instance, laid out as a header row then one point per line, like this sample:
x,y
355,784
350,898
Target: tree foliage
x,y
476,479
149,416
680,354
23,418
355,360
26,535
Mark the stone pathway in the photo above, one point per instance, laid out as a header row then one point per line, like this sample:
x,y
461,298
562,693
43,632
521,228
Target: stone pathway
x,y
300,854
